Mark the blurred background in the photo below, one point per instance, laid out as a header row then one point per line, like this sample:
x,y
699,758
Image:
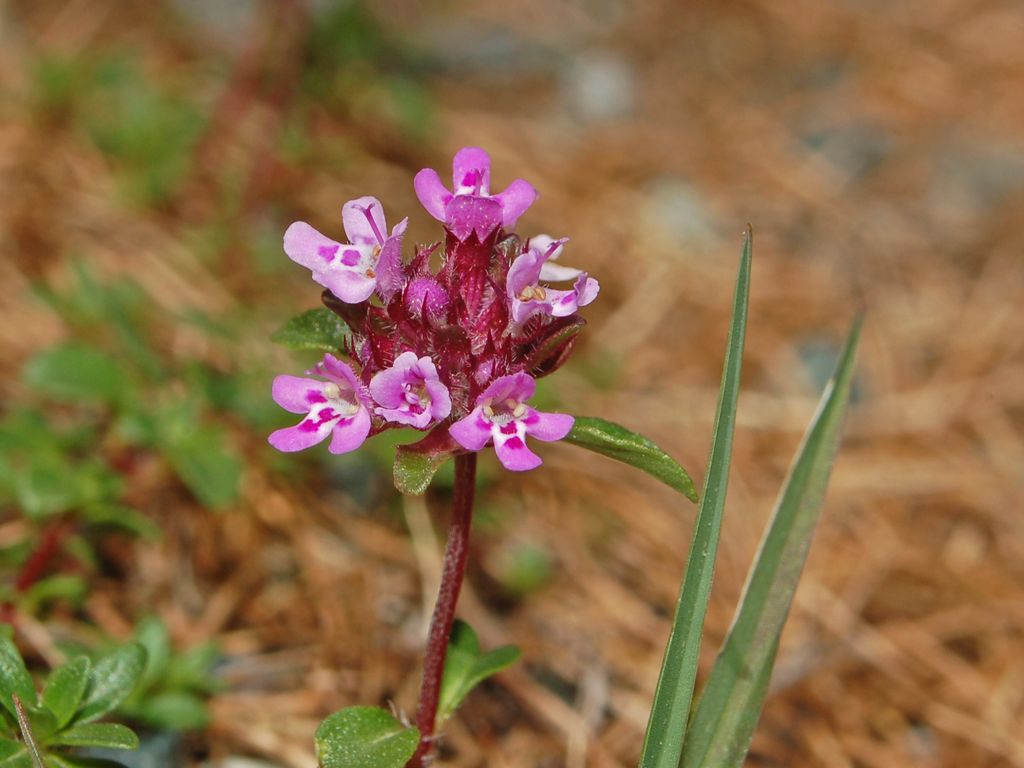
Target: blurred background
x,y
152,154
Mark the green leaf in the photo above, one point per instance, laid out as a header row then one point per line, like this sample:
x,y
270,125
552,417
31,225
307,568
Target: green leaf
x,y
316,329
14,677
19,759
58,587
465,667
731,702
111,679
617,442
172,710
77,761
364,737
65,689
417,463
109,735
10,748
72,372
206,464
663,742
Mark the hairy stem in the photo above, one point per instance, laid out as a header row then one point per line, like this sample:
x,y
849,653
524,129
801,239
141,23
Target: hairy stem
x,y
444,611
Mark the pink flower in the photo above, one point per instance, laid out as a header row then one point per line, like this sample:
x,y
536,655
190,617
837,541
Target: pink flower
x,y
410,392
470,206
336,407
501,415
352,271
530,298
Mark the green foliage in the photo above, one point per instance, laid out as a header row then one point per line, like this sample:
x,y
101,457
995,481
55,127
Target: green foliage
x,y
364,737
173,688
417,463
663,743
617,442
74,372
731,701
316,329
465,667
76,694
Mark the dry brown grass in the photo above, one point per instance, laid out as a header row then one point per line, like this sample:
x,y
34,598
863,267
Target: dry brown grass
x,y
906,643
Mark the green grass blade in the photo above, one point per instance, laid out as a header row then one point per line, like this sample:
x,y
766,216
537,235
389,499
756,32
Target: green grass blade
x,y
672,698
730,704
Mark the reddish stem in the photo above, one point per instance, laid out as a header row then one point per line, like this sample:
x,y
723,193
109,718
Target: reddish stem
x,y
444,611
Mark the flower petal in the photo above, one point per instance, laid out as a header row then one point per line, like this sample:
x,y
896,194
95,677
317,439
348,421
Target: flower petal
x,y
389,264
556,273
308,432
349,285
547,426
471,432
465,214
586,289
431,192
296,394
342,373
358,226
515,200
524,272
471,172
513,454
517,386
349,434
440,399
386,387
306,246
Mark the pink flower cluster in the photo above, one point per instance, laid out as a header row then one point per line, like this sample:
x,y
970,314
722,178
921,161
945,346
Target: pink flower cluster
x,y
455,350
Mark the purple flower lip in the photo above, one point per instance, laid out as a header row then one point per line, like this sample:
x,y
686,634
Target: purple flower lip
x,y
502,416
335,407
411,392
529,298
470,207
351,271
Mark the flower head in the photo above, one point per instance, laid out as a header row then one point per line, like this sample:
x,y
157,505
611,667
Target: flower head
x,y
351,271
469,206
336,406
410,392
501,415
529,297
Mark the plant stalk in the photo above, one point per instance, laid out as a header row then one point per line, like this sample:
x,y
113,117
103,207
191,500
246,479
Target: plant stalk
x,y
455,555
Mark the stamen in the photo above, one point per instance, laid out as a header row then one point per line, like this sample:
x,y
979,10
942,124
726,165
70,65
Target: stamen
x,y
519,411
373,224
488,411
539,293
332,391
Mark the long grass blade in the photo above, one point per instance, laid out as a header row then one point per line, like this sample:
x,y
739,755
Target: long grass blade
x,y
730,704
672,698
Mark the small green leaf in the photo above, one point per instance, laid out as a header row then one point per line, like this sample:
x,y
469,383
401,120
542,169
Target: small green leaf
x,y
111,679
465,667
14,677
10,748
65,688
733,696
73,372
663,742
109,735
316,329
205,462
617,442
417,463
172,710
77,761
19,759
364,737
